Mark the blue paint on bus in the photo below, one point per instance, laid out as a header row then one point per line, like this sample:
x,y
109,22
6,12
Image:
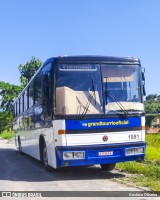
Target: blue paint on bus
x,y
103,123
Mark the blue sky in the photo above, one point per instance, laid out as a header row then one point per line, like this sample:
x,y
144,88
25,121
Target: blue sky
x,y
80,27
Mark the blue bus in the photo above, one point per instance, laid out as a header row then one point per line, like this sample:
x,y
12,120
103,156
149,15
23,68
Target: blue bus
x,y
83,110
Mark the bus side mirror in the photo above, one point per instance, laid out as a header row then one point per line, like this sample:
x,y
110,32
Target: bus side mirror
x,y
144,90
143,76
143,82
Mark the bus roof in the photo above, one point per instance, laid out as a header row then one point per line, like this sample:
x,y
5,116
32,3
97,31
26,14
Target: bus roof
x,y
95,59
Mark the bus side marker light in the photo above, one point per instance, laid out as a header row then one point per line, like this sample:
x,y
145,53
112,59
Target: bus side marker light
x,y
60,132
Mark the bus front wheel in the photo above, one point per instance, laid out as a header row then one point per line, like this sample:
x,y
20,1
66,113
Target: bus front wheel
x,y
108,167
44,156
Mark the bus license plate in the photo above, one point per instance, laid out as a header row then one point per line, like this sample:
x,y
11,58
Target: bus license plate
x,y
105,153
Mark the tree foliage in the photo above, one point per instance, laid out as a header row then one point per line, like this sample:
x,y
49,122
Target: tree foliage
x,y
8,92
28,70
5,120
153,98
152,106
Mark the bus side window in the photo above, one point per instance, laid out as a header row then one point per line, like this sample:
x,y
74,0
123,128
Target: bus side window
x,y
21,104
17,107
47,90
25,101
31,95
38,89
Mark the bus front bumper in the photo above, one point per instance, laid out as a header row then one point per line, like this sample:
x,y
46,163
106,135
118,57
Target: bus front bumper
x,y
99,154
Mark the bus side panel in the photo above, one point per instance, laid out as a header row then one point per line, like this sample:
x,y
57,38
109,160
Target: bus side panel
x,y
49,139
55,140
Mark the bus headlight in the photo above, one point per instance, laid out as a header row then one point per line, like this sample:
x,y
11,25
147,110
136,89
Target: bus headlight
x,y
79,155
129,151
139,150
134,151
68,155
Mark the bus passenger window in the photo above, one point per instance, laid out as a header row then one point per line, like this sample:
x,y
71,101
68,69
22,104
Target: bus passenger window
x,y
31,95
17,107
47,90
37,90
25,100
21,104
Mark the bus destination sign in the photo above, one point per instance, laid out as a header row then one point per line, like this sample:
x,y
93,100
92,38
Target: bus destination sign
x,y
78,67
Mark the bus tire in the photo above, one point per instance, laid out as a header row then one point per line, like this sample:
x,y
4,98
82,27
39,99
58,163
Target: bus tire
x,y
19,145
108,167
44,155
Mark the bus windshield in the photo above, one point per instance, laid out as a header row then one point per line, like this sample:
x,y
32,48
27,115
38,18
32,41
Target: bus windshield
x,y
79,89
97,89
122,88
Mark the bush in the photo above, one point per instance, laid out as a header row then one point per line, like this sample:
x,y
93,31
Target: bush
x,y
7,135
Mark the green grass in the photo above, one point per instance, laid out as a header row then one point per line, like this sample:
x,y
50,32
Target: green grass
x,y
153,139
153,147
7,135
146,173
146,181
149,170
152,153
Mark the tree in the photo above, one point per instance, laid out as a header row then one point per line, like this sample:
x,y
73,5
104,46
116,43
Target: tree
x,y
8,92
151,98
28,70
152,106
5,120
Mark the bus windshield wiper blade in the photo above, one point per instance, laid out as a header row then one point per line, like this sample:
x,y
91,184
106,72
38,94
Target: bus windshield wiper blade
x,y
113,99
93,94
93,90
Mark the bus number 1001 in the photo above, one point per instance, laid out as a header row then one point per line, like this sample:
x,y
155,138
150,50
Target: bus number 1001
x,y
133,136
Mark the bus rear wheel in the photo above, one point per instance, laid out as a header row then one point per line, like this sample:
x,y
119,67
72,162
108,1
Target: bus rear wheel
x,y
19,145
108,167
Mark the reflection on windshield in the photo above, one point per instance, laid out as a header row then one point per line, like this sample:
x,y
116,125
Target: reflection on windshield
x,y
81,89
123,83
78,90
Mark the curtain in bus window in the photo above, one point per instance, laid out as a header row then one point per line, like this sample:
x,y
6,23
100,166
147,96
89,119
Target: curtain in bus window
x,y
118,75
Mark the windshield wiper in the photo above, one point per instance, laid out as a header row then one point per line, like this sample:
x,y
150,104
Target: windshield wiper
x,y
93,94
113,99
93,90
